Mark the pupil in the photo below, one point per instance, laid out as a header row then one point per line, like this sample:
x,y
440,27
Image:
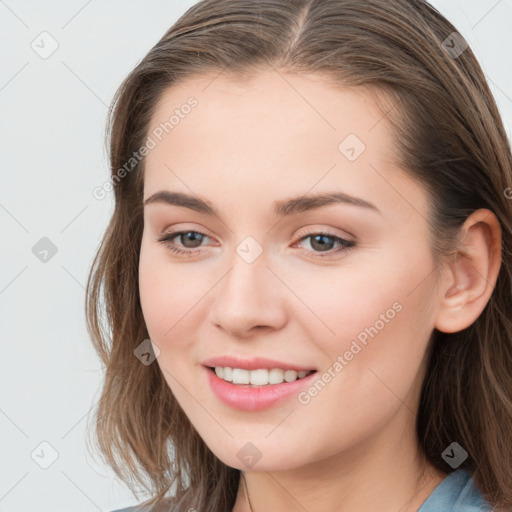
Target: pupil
x,y
192,236
322,244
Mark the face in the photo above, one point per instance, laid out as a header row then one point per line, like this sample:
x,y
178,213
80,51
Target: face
x,y
342,287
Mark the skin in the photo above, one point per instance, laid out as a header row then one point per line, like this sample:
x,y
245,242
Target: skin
x,y
245,145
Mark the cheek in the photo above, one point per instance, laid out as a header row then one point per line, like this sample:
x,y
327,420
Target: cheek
x,y
381,318
167,298
163,295
378,314
154,292
341,302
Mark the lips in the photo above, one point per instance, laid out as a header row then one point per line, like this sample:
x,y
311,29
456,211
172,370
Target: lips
x,y
255,363
257,398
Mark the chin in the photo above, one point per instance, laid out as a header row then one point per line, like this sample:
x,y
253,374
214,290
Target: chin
x,y
256,455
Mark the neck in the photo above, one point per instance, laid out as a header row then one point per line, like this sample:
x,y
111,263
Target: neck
x,y
385,473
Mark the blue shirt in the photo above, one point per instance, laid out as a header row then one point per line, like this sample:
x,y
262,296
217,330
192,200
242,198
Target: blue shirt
x,y
457,492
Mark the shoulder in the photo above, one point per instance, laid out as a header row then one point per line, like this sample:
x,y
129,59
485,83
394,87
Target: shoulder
x,y
457,492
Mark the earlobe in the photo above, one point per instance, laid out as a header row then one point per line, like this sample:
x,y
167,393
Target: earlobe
x,y
471,276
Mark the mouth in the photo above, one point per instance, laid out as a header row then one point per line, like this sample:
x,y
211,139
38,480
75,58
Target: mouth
x,y
258,378
256,389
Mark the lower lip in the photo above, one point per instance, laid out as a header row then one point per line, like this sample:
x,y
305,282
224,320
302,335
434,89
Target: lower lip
x,y
248,398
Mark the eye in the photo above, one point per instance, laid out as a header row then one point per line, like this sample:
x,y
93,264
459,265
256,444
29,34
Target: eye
x,y
193,237
320,241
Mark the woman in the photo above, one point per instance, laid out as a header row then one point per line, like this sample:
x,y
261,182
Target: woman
x,y
307,274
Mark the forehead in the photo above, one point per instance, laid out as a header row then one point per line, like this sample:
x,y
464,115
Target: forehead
x,y
269,132
271,107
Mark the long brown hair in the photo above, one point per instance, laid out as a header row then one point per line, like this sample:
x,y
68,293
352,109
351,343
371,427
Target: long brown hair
x,y
448,135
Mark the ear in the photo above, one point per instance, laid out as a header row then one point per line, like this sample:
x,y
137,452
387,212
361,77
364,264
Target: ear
x,y
471,276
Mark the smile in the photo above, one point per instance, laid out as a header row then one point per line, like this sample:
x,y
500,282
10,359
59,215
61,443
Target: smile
x,y
259,377
247,396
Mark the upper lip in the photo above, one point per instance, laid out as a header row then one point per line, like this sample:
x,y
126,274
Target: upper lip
x,y
254,363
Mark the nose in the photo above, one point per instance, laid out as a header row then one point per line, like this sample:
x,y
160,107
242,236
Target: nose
x,y
249,299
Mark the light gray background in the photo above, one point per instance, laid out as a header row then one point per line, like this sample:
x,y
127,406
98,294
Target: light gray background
x,y
52,120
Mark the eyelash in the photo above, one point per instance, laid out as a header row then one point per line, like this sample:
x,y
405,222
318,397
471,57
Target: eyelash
x,y
346,245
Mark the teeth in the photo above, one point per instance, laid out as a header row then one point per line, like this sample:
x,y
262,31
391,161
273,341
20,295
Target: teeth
x,y
275,376
258,377
261,377
240,376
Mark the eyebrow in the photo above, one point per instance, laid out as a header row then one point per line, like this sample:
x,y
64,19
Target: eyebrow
x,y
281,208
